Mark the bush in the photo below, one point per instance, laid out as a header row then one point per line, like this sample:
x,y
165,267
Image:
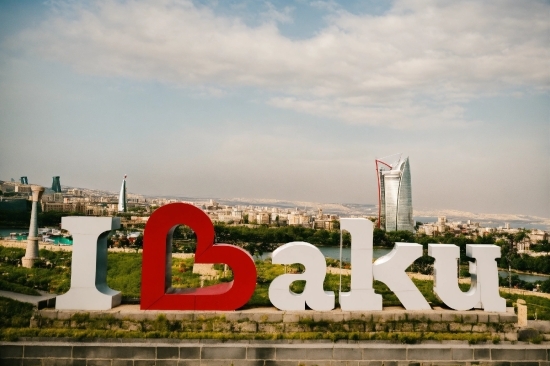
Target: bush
x,y
14,287
14,313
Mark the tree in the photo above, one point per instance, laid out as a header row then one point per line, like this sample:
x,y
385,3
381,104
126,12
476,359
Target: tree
x,y
545,286
519,236
541,246
138,243
400,236
380,239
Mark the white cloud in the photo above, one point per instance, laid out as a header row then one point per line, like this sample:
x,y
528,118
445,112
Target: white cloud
x,y
410,67
274,15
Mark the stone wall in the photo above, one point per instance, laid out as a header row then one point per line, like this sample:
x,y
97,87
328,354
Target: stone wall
x,y
161,352
267,321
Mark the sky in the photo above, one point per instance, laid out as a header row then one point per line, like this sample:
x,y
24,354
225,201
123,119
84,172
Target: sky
x,y
290,100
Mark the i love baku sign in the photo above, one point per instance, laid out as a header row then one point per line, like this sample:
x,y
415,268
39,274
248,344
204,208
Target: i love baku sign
x,y
89,289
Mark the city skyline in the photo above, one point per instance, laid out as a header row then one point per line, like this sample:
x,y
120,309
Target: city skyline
x,y
283,100
422,214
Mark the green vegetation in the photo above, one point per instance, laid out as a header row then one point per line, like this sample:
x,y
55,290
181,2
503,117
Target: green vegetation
x,y
261,239
12,334
264,239
167,331
516,282
541,246
124,274
522,262
52,274
10,218
539,306
14,314
14,287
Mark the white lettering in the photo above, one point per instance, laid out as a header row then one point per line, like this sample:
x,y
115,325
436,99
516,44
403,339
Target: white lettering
x,y
390,269
483,292
361,295
89,290
314,295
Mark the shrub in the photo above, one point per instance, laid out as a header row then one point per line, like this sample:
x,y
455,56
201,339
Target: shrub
x,y
15,313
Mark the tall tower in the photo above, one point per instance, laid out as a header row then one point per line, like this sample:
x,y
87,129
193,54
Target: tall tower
x,y
122,201
31,254
395,210
56,185
24,180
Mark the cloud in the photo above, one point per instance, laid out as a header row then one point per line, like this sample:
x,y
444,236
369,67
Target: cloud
x,y
354,112
413,66
274,15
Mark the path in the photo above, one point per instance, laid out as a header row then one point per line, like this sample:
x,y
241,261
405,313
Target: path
x,y
41,301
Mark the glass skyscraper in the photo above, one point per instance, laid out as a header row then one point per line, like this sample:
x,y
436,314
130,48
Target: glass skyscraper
x,y
56,184
395,210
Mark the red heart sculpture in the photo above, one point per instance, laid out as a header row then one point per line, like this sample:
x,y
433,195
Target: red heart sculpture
x,y
156,275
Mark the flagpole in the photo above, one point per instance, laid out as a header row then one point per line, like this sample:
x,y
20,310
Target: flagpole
x,y
340,289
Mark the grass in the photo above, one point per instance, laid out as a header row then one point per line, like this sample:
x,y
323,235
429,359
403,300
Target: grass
x,y
535,304
14,313
15,287
124,273
51,273
12,334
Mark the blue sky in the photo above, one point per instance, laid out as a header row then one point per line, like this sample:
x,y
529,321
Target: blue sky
x,y
281,99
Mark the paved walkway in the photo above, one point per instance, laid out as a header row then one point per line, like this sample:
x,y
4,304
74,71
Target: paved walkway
x,y
40,301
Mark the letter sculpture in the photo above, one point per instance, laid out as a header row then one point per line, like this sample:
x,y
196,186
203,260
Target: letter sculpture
x,y
361,295
89,290
483,292
156,279
390,269
311,257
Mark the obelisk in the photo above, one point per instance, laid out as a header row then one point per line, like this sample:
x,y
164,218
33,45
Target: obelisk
x,y
31,255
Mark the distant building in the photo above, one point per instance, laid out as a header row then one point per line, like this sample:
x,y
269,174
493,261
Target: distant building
x,y
24,180
56,184
75,192
122,200
8,186
395,210
442,224
263,218
23,188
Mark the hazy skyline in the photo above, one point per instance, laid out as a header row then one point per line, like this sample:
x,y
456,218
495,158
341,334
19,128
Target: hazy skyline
x,y
280,99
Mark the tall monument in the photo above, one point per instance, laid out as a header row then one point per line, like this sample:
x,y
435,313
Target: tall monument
x,y
31,255
122,201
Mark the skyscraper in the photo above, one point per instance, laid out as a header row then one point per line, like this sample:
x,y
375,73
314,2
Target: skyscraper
x,y
56,184
24,180
122,201
395,210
